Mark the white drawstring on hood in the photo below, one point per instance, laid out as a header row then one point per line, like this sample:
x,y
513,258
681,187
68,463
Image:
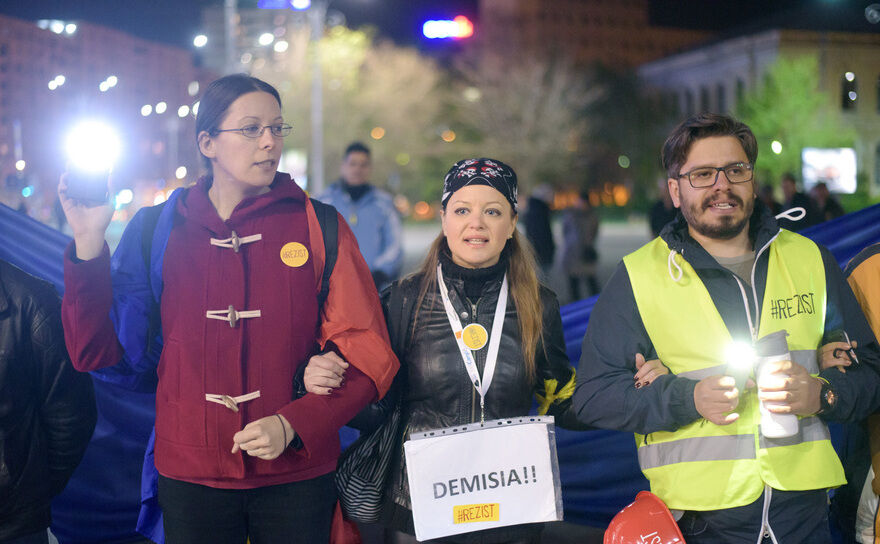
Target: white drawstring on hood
x,y
793,214
670,262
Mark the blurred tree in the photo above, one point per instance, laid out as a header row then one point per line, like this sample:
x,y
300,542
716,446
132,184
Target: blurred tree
x,y
629,124
530,114
788,107
384,95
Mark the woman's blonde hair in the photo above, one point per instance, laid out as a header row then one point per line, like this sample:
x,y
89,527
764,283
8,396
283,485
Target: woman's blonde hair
x,y
524,288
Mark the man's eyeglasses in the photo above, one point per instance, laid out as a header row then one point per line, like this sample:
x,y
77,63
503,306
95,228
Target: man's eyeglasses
x,y
707,176
255,131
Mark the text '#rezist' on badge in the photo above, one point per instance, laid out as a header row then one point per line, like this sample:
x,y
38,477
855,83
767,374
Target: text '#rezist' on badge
x,y
470,513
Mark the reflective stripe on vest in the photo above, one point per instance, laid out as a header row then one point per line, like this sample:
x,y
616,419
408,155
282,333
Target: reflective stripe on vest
x,y
805,357
703,466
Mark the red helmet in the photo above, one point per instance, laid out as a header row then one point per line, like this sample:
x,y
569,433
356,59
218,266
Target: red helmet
x,y
644,521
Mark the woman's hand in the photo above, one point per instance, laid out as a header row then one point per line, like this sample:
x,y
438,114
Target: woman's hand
x,y
264,438
88,221
648,371
324,373
827,358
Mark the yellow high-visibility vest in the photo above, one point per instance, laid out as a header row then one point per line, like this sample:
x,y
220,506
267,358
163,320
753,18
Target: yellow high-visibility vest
x,y
703,466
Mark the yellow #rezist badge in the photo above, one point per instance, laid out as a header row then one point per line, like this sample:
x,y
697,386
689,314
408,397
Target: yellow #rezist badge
x,y
294,254
475,336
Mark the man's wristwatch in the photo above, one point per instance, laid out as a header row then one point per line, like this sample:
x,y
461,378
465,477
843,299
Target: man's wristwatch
x,y
827,399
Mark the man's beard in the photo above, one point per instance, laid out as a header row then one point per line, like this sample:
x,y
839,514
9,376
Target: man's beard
x,y
727,227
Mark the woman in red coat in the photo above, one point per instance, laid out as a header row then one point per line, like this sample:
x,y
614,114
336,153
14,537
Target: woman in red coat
x,y
237,457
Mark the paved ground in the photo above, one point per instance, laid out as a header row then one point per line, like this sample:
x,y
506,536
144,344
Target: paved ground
x,y
615,241
554,533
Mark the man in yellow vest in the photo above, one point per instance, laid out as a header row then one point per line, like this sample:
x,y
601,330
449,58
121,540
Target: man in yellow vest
x,y
723,273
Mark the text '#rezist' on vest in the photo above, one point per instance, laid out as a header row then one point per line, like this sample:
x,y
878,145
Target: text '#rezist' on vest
x,y
785,308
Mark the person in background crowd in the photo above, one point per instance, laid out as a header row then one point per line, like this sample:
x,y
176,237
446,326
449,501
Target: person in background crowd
x,y
474,261
370,213
724,272
766,196
827,205
538,228
580,227
854,506
662,211
240,457
47,409
10,193
796,199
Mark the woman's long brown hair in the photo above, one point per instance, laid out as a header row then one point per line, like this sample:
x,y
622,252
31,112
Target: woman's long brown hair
x,y
524,288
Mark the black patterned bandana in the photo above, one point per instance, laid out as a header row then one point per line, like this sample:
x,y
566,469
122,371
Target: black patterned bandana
x,y
489,172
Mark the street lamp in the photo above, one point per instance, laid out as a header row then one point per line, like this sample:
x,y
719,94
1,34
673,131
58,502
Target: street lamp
x,y
317,14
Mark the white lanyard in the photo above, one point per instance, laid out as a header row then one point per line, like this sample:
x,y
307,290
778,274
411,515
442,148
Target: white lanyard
x,y
480,384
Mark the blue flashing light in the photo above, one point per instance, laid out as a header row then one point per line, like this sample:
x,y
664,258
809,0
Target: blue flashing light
x,y
284,4
458,28
273,4
27,191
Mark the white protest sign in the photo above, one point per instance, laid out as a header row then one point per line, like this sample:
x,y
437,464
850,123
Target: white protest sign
x,y
474,477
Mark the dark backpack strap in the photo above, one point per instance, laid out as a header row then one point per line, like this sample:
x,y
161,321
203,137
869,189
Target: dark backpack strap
x,y
329,221
151,219
154,323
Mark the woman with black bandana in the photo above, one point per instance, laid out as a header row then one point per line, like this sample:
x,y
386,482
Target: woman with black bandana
x,y
477,257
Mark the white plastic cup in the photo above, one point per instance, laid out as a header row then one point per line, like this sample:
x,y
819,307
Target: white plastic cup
x,y
775,425
772,348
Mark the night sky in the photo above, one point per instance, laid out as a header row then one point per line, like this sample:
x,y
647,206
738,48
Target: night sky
x,y
177,21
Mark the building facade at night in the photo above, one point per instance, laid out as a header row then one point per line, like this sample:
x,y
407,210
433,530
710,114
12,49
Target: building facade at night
x,y
617,33
713,77
56,73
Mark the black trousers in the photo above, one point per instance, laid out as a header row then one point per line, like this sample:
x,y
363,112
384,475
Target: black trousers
x,y
797,517
287,513
398,537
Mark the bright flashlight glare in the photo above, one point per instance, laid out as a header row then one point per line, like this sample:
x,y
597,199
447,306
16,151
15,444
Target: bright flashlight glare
x,y
70,28
200,41
161,107
183,111
112,81
124,197
281,46
104,86
180,173
93,146
20,165
266,38
146,110
300,4
60,79
741,355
